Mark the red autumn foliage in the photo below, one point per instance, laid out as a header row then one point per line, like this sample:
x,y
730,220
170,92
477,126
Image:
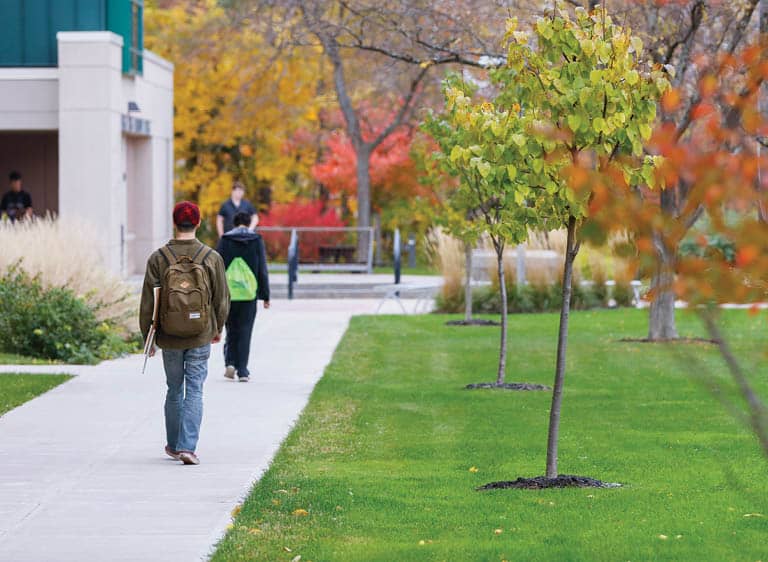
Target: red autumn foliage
x,y
300,213
392,170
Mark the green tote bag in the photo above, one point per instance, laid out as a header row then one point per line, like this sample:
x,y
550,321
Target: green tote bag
x,y
241,281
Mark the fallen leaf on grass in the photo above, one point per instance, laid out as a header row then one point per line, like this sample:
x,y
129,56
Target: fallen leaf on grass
x,y
754,515
285,548
422,542
275,502
678,537
296,558
236,510
663,537
255,531
473,469
498,531
300,512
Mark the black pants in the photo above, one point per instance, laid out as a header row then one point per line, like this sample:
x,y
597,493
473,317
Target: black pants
x,y
238,343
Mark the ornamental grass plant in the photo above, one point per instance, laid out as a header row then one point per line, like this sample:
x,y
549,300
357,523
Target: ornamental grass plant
x,y
59,303
60,252
448,256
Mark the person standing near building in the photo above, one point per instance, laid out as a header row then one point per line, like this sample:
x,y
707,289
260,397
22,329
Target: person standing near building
x,y
235,204
194,303
16,203
241,243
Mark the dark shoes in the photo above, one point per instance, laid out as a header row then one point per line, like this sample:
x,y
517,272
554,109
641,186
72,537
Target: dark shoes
x,y
188,457
171,453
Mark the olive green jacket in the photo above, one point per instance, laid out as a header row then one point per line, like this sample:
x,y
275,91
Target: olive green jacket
x,y
156,266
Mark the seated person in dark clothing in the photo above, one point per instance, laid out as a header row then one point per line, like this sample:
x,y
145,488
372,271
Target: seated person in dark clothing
x,y
235,204
241,242
16,203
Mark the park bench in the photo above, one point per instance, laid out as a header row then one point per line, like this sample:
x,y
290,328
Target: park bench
x,y
337,254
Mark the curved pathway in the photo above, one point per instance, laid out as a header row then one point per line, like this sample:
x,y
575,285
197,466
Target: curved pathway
x,y
82,470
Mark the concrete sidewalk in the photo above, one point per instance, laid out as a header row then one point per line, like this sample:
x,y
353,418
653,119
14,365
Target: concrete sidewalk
x,y
82,471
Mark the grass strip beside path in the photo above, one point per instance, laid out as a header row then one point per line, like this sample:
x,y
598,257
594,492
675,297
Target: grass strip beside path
x,y
14,359
383,463
17,388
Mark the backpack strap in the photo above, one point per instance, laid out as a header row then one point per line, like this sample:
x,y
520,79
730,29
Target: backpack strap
x,y
168,254
200,260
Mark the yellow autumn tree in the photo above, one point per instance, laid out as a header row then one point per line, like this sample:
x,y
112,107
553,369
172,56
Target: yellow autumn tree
x,y
243,110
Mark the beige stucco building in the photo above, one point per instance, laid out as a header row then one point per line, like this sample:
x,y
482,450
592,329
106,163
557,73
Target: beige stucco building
x,y
92,136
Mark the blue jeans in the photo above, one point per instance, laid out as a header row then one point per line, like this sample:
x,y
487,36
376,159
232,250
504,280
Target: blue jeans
x,y
185,373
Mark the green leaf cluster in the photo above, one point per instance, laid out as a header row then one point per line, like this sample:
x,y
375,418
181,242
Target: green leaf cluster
x,y
573,93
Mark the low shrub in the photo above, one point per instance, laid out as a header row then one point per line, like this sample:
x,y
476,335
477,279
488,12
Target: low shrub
x,y
301,213
53,322
623,294
535,298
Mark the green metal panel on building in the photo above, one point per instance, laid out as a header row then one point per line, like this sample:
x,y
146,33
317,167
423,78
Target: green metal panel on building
x,y
126,18
30,27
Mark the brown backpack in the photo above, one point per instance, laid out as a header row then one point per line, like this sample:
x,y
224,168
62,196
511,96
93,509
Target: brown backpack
x,y
185,298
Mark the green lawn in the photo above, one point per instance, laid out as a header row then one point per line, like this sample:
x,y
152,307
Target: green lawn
x,y
380,459
13,359
15,389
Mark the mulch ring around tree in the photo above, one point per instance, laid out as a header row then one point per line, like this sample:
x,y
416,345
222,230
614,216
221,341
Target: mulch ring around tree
x,y
508,386
670,340
472,323
541,482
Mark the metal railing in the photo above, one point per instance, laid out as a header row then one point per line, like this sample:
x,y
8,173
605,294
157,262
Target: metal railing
x,y
338,258
293,262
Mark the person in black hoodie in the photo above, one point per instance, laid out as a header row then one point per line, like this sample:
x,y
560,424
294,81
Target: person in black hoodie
x,y
243,243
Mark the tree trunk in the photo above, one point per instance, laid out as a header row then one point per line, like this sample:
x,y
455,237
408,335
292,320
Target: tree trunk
x,y
661,319
467,282
562,343
503,290
363,198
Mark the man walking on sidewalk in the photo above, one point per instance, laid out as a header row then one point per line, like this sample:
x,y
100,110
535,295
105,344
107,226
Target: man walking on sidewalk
x,y
194,303
246,262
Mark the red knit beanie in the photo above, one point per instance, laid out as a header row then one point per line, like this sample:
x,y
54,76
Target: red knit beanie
x,y
186,213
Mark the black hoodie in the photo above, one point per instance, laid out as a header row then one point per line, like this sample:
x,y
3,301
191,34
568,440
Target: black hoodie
x,y
243,243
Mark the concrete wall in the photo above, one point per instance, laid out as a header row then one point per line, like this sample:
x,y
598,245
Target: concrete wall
x,y
91,182
36,156
29,99
121,182
149,162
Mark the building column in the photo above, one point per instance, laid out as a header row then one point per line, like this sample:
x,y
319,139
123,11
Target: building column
x,y
91,167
